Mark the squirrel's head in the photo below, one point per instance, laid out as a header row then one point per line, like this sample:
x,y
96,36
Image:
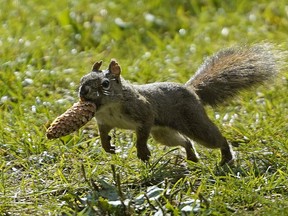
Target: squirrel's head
x,y
100,84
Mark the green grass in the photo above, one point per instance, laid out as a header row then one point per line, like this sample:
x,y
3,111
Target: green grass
x,y
46,47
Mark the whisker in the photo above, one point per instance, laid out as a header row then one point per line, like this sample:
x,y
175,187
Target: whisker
x,y
107,93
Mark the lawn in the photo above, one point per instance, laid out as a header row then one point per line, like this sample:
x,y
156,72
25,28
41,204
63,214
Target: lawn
x,y
46,47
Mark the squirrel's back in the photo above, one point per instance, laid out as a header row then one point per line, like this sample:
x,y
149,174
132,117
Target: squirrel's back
x,y
231,70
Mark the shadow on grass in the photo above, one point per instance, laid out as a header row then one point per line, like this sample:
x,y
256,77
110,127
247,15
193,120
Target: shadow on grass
x,y
253,164
151,192
167,185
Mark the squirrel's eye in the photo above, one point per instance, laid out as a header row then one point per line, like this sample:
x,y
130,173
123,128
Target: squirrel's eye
x,y
105,84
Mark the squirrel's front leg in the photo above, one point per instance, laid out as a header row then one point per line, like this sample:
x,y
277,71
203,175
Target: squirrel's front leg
x,y
142,134
105,138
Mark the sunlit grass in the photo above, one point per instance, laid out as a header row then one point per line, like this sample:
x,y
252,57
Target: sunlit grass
x,y
46,47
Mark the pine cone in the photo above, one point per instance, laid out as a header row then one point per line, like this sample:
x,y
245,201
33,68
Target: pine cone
x,y
71,120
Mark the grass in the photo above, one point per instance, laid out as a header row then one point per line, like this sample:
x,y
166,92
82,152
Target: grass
x,y
45,49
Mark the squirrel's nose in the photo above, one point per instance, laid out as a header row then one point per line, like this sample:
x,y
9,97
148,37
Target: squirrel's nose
x,y
84,90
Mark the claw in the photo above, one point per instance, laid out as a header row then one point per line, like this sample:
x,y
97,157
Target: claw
x,y
111,149
144,155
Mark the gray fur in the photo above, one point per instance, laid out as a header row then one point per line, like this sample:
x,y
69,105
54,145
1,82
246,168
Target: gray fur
x,y
173,113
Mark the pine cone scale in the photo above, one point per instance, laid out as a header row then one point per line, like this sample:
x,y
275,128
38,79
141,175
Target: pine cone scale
x,y
71,120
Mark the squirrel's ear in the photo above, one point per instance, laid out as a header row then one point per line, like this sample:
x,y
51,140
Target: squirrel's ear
x,y
96,66
114,68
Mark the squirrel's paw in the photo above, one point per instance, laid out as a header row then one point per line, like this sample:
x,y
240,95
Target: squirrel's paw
x,y
111,149
227,155
227,161
144,154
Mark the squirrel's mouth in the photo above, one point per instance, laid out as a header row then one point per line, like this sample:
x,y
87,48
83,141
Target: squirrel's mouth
x,y
82,99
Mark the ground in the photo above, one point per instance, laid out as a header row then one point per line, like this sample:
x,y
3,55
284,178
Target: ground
x,y
46,47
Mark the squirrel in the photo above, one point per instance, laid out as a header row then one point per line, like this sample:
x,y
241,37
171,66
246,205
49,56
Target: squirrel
x,y
174,113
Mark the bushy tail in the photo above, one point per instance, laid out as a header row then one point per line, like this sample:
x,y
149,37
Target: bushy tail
x,y
229,71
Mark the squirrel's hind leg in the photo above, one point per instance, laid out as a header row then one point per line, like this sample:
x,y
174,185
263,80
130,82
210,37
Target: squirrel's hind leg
x,y
170,137
207,134
196,125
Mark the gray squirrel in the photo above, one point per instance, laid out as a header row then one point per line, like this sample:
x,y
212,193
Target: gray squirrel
x,y
174,113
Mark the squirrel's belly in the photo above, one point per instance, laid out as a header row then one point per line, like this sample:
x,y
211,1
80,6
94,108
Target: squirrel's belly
x,y
117,120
